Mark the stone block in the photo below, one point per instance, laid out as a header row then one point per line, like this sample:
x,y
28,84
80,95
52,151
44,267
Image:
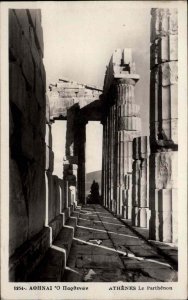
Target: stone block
x,y
143,172
43,73
170,130
136,148
173,21
27,139
154,226
33,114
163,21
62,194
129,110
56,224
39,32
165,200
127,56
56,197
127,197
42,122
39,150
49,159
144,147
15,37
154,24
126,212
136,171
143,217
154,131
48,136
163,49
163,167
154,54
47,109
129,123
28,256
126,166
165,226
135,216
18,210
128,181
169,72
143,196
173,45
39,89
135,194
23,21
32,16
17,87
154,94
127,150
160,228
174,101
164,103
35,20
34,50
117,57
37,199
27,63
47,166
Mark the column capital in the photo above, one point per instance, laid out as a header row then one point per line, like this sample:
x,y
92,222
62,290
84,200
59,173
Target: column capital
x,y
129,79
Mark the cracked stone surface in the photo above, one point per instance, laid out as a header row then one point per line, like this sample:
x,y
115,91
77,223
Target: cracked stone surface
x,y
106,250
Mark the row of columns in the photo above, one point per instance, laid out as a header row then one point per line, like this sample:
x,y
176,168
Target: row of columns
x,y
121,124
140,173
74,164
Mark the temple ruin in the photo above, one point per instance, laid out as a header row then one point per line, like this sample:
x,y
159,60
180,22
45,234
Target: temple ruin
x,y
139,178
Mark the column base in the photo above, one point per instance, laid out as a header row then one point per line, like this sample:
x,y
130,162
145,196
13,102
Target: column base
x,y
160,226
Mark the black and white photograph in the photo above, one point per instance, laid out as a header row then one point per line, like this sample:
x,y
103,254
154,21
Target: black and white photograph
x,y
94,150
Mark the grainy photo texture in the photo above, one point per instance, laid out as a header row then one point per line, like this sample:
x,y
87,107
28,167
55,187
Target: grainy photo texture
x,y
93,146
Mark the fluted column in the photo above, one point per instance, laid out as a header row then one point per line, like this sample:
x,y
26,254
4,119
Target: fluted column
x,y
128,128
122,125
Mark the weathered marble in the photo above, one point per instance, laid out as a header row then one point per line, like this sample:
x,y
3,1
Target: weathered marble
x,y
164,125
27,144
140,201
121,126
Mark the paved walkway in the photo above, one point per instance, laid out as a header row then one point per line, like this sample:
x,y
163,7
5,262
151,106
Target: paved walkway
x,y
106,250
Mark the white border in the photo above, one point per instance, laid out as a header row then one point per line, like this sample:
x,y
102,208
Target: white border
x,y
97,290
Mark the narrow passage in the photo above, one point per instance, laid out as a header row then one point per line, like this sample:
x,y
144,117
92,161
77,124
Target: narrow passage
x,y
105,250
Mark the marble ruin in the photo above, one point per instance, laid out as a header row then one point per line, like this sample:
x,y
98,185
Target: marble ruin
x,y
163,125
139,173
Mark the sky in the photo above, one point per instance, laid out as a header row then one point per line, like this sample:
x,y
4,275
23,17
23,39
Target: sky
x,y
79,39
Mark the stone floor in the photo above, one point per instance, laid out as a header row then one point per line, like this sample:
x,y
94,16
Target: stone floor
x,y
106,250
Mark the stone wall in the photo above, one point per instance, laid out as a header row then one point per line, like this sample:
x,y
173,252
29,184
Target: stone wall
x,y
27,85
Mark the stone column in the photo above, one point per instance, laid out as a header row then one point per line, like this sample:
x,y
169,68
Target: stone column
x,y
163,125
128,128
80,144
140,212
123,124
